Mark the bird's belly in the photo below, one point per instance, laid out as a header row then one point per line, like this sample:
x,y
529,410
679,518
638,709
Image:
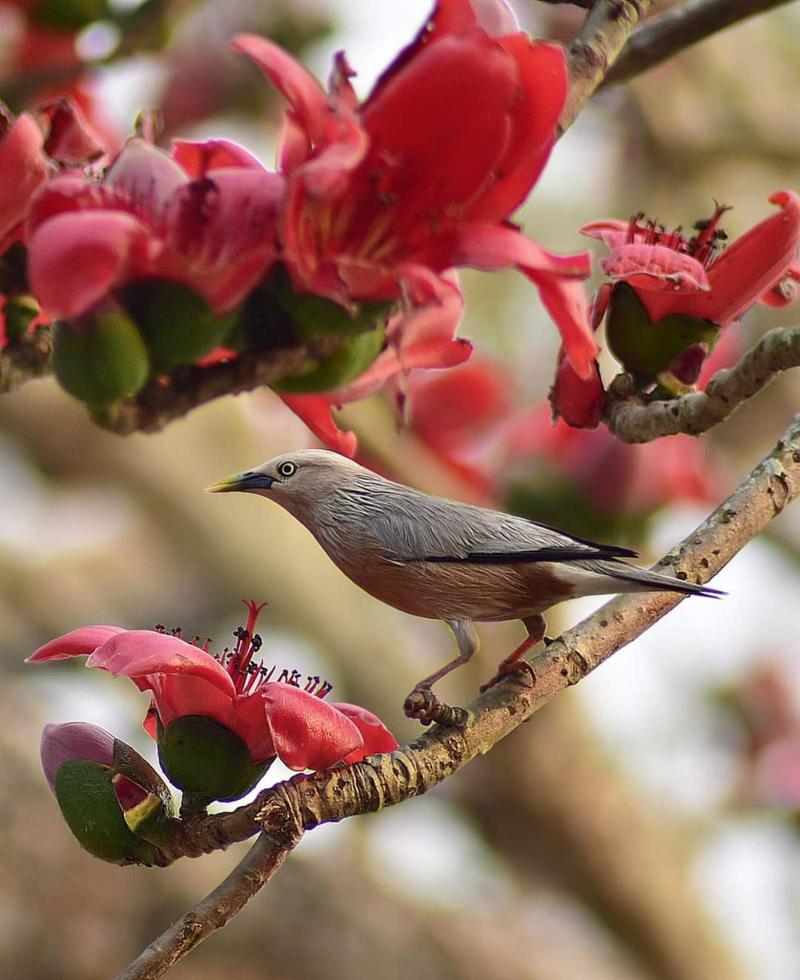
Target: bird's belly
x,y
460,590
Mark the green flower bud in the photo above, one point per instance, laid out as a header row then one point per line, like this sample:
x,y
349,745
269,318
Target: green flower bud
x,y
102,360
646,349
69,14
346,363
88,800
18,312
178,326
204,758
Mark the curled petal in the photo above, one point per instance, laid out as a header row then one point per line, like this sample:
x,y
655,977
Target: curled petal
x,y
71,138
317,413
610,232
376,736
300,89
655,267
785,290
179,694
135,653
74,740
77,643
250,724
108,247
578,401
307,732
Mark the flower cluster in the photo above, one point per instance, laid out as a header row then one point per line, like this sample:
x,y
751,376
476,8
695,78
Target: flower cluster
x,y
169,259
669,296
219,720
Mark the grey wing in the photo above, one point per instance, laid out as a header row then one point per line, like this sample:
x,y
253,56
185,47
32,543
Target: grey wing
x,y
417,527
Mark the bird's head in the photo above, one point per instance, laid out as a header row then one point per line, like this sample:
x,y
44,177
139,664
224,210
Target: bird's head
x,y
296,480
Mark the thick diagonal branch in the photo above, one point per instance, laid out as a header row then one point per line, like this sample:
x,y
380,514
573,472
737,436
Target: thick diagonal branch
x,y
253,872
595,49
680,27
631,420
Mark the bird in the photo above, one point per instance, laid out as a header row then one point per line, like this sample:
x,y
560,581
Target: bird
x,y
442,559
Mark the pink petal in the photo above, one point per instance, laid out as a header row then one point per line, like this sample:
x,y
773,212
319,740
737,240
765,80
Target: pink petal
x,y
176,695
74,740
317,413
377,737
23,166
146,176
71,138
197,158
77,643
300,89
655,267
307,732
135,653
611,233
250,724
77,258
578,401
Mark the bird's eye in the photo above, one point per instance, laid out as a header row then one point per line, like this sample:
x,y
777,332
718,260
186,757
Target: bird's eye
x,y
287,468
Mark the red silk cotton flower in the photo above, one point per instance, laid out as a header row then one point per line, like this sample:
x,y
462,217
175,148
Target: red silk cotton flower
x,y
272,718
384,196
211,230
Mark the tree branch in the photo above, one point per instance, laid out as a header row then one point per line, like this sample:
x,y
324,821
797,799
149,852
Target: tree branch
x,y
25,359
251,874
595,49
304,802
632,420
680,27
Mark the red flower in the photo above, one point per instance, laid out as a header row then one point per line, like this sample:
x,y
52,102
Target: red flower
x,y
212,230
386,195
272,718
674,275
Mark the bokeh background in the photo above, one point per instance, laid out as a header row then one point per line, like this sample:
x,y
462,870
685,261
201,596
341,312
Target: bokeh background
x,y
642,827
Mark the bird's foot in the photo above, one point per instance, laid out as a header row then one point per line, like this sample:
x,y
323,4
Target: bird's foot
x,y
423,705
515,668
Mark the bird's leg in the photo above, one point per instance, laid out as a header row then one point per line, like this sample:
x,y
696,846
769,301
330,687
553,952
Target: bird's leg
x,y
422,703
513,664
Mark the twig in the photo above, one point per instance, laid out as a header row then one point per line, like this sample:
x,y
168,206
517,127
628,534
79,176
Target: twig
x,y
304,802
25,359
679,28
215,910
633,421
595,48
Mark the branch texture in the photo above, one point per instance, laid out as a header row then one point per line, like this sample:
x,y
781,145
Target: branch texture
x,y
680,27
25,359
216,909
631,420
595,49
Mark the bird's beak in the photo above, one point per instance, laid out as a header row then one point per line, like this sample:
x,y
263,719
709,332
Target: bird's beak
x,y
250,480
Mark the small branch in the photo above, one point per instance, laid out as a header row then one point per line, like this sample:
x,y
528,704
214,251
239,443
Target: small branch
x,y
25,359
304,802
215,910
595,48
633,421
679,28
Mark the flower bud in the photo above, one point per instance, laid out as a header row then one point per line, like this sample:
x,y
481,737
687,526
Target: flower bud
x,y
315,316
177,324
100,360
347,362
647,348
18,314
202,757
112,800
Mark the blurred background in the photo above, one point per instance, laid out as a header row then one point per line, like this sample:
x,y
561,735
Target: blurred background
x,y
642,827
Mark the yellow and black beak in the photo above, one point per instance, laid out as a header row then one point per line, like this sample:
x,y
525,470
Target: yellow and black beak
x,y
244,482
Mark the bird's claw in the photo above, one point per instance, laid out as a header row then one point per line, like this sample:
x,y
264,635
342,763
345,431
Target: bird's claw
x,y
423,705
516,668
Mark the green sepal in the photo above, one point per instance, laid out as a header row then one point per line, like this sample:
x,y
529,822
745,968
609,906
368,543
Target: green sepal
x,y
89,804
101,360
178,325
205,758
644,347
347,362
150,818
315,316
